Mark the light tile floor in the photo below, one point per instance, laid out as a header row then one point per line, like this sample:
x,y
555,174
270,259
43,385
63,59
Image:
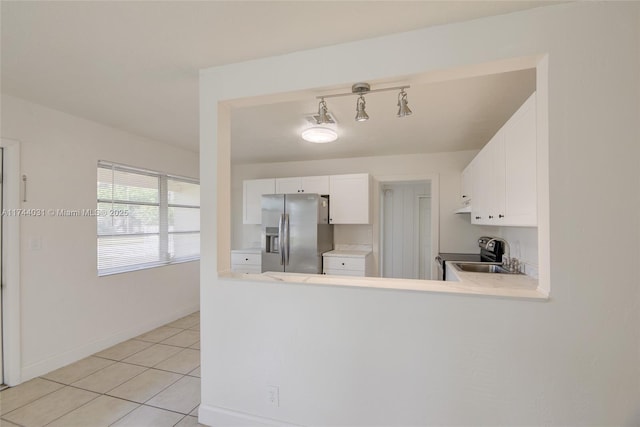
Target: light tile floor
x,y
152,380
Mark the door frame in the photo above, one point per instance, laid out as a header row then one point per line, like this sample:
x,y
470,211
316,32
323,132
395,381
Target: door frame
x,y
434,181
11,263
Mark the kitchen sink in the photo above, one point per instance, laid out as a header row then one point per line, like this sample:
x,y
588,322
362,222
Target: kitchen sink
x,y
482,267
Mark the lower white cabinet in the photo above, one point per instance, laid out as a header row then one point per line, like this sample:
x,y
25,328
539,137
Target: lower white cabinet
x,y
347,263
246,261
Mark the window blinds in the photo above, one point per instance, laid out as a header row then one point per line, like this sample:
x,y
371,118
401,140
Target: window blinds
x,y
146,219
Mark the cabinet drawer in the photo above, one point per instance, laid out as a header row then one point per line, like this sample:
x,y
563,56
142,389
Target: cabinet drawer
x,y
355,273
253,269
246,259
346,263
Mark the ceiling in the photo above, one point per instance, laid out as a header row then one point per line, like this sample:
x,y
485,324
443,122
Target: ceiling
x,y
134,65
451,115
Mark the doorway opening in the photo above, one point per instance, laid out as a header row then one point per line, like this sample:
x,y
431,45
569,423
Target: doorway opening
x,y
406,230
1,277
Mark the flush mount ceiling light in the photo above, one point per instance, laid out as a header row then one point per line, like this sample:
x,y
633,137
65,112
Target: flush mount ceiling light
x,y
319,134
363,88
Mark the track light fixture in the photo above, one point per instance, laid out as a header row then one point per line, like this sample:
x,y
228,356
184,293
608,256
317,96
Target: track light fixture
x,y
363,88
324,128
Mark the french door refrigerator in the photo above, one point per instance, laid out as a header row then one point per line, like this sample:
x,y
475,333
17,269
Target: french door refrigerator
x,y
295,232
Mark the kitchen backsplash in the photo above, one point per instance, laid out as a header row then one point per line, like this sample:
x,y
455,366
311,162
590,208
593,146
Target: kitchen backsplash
x,y
353,234
523,242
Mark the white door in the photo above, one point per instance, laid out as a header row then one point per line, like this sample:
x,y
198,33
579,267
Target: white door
x,y
424,238
406,231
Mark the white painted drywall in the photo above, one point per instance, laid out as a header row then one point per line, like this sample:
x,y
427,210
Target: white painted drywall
x,y
355,356
68,312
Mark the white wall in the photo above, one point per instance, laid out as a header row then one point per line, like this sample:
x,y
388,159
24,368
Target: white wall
x,y
67,311
356,356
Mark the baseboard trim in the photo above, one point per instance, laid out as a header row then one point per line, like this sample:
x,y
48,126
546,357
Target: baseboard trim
x,y
214,416
62,359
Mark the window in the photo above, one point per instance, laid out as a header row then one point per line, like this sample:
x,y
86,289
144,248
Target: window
x,y
145,219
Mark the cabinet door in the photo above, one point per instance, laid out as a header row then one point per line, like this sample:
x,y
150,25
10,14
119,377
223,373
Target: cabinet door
x,y
252,191
349,199
288,185
466,192
505,173
481,187
315,184
520,194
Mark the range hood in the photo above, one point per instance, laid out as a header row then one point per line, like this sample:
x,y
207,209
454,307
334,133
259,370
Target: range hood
x,y
464,209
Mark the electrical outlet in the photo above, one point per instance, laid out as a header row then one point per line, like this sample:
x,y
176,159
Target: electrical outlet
x,y
273,395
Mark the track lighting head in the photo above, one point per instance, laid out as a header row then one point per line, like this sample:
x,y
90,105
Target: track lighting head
x,y
361,114
403,106
323,118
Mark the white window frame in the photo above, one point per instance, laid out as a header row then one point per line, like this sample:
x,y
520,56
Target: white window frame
x,y
163,221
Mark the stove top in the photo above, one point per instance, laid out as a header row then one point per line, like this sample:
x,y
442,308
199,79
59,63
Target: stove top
x,y
459,257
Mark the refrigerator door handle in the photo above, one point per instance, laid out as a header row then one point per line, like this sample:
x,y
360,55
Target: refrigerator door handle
x,y
281,238
286,239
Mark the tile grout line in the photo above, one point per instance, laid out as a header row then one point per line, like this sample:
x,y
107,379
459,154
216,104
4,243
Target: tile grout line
x,y
31,401
86,403
98,394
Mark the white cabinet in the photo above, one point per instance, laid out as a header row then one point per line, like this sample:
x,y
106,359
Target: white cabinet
x,y
466,189
305,184
349,195
252,191
520,145
504,175
349,199
488,182
347,264
246,261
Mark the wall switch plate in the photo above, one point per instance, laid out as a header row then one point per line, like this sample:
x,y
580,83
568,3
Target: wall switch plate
x,y
273,395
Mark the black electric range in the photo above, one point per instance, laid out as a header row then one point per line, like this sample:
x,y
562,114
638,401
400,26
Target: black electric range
x,y
490,251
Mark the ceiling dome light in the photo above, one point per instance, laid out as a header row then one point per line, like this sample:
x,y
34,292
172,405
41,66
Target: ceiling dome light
x,y
319,135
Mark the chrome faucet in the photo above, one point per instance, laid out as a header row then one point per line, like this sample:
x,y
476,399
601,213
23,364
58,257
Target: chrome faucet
x,y
511,264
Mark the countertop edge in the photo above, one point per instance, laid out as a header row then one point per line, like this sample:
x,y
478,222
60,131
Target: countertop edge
x,y
347,253
433,286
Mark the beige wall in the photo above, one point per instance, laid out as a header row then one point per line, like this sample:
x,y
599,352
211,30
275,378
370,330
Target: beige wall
x,y
67,311
356,356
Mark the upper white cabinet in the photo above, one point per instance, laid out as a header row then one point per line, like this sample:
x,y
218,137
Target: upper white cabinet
x,y
504,173
252,191
305,184
349,195
520,153
349,198
466,190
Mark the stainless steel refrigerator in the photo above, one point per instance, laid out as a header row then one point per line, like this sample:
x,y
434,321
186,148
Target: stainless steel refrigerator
x,y
295,232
